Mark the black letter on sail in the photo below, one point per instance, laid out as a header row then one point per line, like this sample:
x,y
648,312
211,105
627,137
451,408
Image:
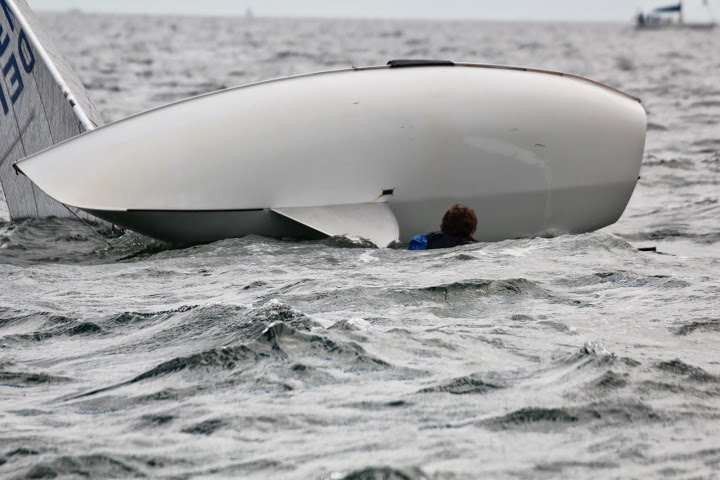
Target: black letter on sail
x,y
8,14
25,51
15,78
4,42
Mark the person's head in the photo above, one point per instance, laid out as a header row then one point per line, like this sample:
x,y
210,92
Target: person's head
x,y
459,221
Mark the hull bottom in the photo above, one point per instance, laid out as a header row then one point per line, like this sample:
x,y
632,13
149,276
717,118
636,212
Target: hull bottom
x,y
204,226
500,217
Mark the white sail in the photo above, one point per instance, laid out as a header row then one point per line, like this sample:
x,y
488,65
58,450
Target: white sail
x,y
42,102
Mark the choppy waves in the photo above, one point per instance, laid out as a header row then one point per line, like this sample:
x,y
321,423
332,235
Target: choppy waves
x,y
386,363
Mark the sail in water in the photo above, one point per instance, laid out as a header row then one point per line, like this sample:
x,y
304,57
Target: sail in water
x,y
42,102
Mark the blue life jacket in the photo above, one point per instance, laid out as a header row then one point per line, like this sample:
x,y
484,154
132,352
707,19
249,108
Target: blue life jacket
x,y
432,240
419,242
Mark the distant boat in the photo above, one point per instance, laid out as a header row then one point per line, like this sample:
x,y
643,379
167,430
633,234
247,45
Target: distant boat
x,y
670,17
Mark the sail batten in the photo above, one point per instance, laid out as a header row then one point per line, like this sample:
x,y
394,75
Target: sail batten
x,y
42,103
669,8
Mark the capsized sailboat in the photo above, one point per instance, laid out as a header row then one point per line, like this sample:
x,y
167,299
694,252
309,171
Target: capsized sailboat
x,y
671,17
378,152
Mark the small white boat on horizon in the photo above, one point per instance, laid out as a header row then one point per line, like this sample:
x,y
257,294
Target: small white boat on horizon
x,y
672,17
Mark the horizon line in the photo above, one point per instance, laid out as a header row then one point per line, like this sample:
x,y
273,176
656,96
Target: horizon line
x,y
253,15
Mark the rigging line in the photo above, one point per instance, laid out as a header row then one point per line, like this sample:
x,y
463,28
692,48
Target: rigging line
x,y
4,155
87,225
18,139
21,131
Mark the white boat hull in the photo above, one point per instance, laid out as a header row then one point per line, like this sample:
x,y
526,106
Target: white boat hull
x,y
532,152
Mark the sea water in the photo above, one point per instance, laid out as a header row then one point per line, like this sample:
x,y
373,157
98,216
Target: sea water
x,y
575,356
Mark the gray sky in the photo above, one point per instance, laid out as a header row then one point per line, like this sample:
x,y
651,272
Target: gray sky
x,y
588,10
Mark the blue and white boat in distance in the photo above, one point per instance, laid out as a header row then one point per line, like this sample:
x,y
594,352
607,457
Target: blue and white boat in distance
x,y
671,17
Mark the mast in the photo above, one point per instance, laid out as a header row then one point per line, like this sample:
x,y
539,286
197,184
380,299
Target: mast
x,y
680,12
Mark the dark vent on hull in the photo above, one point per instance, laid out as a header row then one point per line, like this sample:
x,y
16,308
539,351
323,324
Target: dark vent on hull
x,y
419,63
